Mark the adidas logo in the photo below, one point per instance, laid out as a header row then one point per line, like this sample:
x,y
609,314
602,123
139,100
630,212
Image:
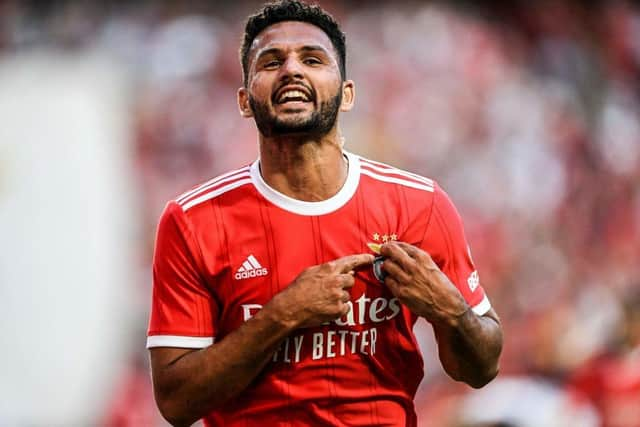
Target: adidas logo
x,y
250,268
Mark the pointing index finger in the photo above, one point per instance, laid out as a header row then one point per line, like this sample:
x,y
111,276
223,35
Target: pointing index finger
x,y
351,262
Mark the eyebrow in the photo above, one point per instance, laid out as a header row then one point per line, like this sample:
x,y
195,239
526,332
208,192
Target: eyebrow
x,y
313,48
305,48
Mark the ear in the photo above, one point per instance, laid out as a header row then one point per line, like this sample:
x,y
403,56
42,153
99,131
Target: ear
x,y
243,103
348,95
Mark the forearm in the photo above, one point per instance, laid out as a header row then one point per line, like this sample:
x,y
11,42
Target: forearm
x,y
189,384
469,347
197,382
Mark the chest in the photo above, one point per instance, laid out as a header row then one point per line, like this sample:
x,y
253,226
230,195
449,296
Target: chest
x,y
259,251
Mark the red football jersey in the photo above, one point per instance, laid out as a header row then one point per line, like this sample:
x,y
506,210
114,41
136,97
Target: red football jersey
x,y
226,247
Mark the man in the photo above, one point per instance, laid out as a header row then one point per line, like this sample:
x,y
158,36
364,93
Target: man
x,y
268,308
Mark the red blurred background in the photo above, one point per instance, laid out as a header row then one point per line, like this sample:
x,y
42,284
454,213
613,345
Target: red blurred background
x,y
527,113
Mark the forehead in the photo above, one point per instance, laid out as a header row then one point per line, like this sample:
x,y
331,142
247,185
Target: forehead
x,y
291,35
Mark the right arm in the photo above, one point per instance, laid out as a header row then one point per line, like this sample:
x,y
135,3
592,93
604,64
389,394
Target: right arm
x,y
189,383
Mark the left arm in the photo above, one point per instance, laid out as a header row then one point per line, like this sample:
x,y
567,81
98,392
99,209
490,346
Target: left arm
x,y
469,345
469,348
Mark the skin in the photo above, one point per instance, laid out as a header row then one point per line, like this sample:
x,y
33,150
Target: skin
x,y
469,346
189,383
307,167
310,166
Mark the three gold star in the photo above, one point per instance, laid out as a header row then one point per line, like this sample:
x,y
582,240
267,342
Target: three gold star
x,y
385,237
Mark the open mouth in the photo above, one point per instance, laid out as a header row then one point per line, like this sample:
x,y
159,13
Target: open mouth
x,y
292,95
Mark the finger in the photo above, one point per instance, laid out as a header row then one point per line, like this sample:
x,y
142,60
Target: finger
x,y
351,262
413,251
398,291
393,285
346,296
394,270
397,254
346,308
346,280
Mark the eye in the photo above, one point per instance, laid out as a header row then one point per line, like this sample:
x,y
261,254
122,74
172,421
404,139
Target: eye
x,y
271,64
312,61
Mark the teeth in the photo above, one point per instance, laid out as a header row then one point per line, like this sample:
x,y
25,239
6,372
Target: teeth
x,y
292,94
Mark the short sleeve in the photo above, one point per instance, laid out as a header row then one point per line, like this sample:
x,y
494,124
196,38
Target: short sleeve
x,y
446,243
182,308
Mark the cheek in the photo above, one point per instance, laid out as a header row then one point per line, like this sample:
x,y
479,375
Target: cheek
x,y
329,87
260,88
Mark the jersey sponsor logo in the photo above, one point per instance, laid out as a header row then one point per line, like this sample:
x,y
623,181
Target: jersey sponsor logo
x,y
362,311
250,268
354,333
473,281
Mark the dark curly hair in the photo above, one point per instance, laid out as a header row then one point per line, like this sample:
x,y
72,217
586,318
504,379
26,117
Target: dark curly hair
x,y
292,10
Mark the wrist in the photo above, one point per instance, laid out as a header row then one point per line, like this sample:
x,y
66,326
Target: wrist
x,y
278,312
457,315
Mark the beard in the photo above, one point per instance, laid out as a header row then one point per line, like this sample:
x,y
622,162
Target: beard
x,y
319,123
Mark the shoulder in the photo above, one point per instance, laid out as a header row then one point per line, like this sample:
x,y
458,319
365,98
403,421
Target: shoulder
x,y
213,188
383,174
185,212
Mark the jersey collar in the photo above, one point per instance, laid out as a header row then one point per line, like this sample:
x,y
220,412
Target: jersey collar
x,y
310,208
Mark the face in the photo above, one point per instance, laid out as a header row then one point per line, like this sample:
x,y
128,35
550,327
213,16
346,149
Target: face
x,y
294,83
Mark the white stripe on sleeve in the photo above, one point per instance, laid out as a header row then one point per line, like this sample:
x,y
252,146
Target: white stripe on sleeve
x,y
482,307
179,341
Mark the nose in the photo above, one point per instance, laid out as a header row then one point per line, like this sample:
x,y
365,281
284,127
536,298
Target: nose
x,y
291,68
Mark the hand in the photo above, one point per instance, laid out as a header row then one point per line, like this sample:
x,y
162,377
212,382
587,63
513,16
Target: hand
x,y
415,279
320,293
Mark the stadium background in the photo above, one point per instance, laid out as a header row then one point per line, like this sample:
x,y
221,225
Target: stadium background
x,y
528,114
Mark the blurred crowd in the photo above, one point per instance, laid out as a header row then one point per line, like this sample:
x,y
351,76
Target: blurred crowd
x,y
527,113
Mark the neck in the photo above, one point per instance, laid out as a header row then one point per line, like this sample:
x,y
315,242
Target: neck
x,y
305,169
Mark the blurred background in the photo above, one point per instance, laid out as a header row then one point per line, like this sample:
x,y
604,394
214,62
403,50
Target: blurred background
x,y
527,113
